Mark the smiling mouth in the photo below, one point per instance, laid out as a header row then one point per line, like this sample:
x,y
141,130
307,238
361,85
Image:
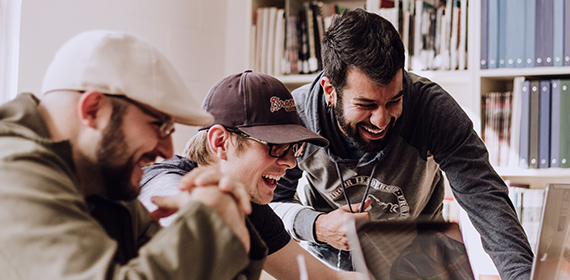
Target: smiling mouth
x,y
374,131
271,179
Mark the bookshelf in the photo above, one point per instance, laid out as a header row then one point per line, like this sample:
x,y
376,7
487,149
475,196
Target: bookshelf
x,y
467,86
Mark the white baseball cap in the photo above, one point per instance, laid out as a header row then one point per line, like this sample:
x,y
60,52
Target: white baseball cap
x,y
117,63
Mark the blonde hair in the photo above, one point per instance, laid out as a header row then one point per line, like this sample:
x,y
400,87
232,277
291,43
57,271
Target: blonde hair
x,y
198,151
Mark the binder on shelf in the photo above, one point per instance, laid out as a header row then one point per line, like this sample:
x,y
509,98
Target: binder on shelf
x,y
565,125
530,19
558,33
503,34
555,123
534,123
544,33
524,125
484,30
515,33
567,33
544,125
493,34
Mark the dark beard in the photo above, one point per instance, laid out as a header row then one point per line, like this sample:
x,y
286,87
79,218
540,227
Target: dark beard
x,y
354,136
116,179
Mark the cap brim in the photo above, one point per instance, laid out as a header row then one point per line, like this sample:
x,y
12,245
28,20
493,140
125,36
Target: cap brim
x,y
198,118
285,133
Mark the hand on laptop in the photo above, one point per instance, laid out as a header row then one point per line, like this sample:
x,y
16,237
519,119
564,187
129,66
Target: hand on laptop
x,y
330,227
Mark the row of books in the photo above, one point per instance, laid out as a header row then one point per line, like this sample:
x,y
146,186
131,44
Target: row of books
x,y
528,206
530,127
434,33
496,115
525,33
290,44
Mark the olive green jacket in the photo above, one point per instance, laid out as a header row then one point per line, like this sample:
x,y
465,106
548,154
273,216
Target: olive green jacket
x,y
48,230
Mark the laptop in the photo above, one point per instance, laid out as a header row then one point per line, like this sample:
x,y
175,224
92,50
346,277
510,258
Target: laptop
x,y
409,250
552,258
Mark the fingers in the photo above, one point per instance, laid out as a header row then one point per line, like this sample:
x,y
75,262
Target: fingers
x,y
356,207
237,190
199,177
204,177
167,205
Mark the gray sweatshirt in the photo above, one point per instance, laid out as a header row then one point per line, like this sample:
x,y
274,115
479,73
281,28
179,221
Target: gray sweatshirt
x,y
433,135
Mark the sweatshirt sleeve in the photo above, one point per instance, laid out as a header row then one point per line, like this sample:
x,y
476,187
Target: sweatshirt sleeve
x,y
299,220
478,189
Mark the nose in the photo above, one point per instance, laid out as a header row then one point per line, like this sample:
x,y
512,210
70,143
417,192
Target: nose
x,y
380,117
165,148
288,159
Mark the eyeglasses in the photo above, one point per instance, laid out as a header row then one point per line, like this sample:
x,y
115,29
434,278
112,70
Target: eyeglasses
x,y
165,125
275,150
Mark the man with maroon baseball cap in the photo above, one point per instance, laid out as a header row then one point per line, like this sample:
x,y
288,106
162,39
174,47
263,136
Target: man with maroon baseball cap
x,y
255,138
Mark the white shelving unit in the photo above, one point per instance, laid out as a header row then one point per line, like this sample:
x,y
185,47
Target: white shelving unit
x,y
466,86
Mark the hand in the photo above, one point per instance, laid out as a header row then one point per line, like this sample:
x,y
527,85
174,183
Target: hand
x,y
224,204
208,176
329,228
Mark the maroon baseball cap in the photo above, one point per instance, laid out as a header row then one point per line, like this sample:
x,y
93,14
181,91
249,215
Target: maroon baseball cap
x,y
259,105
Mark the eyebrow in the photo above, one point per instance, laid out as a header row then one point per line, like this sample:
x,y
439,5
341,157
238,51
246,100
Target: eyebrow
x,y
398,95
361,99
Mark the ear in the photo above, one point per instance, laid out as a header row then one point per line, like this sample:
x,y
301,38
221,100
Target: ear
x,y
330,92
91,106
219,141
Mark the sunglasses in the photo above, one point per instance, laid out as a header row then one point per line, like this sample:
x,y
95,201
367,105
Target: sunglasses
x,y
275,150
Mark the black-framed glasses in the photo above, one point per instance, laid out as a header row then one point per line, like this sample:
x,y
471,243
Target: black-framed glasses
x,y
275,150
165,125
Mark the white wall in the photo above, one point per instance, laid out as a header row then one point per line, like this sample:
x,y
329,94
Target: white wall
x,y
191,33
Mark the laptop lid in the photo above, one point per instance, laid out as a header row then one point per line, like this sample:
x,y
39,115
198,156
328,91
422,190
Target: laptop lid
x,y
552,259
412,250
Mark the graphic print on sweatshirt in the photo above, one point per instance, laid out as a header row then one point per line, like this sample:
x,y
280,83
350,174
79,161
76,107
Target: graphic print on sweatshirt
x,y
388,201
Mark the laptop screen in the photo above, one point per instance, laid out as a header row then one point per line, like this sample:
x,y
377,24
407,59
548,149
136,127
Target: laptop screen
x,y
552,259
420,250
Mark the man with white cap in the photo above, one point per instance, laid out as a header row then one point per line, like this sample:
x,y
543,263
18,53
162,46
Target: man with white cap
x,y
71,166
255,138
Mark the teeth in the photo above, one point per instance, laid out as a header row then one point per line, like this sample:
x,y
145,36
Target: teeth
x,y
272,177
374,131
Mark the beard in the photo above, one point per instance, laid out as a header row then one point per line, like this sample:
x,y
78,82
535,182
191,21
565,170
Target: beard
x,y
352,131
111,148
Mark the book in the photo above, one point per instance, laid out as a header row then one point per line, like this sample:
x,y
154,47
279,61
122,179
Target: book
x,y
558,33
524,125
534,111
279,58
493,34
530,19
566,33
271,39
515,33
484,30
544,33
503,34
565,125
462,48
454,46
516,121
555,123
544,125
